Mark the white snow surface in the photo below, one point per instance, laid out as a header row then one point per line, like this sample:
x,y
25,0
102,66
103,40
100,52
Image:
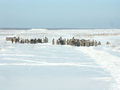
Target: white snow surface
x,y
56,67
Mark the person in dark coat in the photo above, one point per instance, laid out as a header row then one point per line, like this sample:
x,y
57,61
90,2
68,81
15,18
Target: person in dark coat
x,y
53,41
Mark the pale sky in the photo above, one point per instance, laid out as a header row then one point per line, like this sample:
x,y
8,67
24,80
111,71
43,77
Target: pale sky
x,y
60,13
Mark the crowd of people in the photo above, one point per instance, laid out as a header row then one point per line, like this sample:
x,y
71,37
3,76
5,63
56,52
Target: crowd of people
x,y
76,42
59,41
31,41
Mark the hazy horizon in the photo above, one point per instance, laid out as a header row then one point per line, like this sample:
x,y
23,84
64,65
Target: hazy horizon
x,y
54,28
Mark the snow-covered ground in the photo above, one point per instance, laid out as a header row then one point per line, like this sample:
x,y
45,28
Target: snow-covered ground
x,y
56,67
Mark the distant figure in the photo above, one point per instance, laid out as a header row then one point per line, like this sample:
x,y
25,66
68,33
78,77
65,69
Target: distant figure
x,y
45,40
60,38
57,42
39,40
73,41
31,41
99,43
68,41
95,43
16,40
35,41
12,40
107,43
77,43
27,41
87,43
53,41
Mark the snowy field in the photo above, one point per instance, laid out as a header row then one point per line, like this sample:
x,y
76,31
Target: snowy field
x,y
56,67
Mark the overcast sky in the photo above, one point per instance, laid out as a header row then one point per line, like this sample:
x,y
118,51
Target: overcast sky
x,y
60,13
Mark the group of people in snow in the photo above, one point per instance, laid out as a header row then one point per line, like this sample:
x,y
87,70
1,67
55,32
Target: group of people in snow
x,y
31,41
76,42
59,41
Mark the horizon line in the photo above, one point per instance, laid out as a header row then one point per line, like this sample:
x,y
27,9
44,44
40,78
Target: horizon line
x,y
19,28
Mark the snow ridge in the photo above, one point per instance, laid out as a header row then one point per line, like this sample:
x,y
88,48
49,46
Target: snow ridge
x,y
106,61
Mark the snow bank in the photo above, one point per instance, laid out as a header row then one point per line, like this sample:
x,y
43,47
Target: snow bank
x,y
108,62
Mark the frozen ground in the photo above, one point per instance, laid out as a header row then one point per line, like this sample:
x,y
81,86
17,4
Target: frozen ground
x,y
48,67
